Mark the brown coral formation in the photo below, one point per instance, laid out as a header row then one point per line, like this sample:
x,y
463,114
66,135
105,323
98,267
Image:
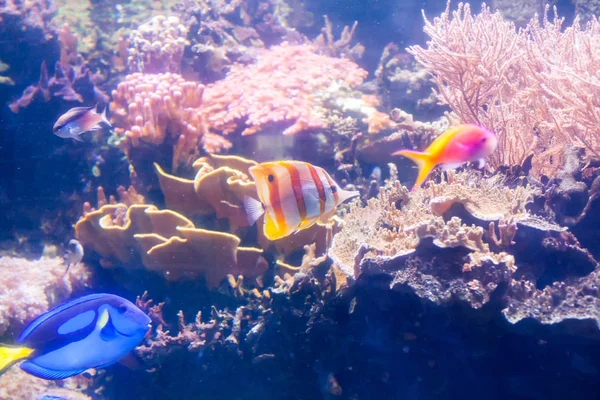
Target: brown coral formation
x,y
166,242
218,189
30,288
157,46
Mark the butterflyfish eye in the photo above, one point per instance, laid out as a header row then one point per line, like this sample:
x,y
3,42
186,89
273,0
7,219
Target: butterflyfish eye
x,y
271,178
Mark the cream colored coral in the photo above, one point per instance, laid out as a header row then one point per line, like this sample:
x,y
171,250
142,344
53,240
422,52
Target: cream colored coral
x,y
17,384
30,288
394,223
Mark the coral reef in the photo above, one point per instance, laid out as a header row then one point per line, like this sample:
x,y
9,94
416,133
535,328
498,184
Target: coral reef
x,y
404,85
536,88
387,235
16,384
76,83
30,288
166,242
29,15
225,32
156,109
279,88
157,46
218,189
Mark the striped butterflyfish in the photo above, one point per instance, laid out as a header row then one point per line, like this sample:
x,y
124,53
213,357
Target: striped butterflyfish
x,y
293,196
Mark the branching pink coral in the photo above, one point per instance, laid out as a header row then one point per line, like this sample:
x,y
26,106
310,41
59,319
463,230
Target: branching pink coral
x,y
537,88
279,88
148,107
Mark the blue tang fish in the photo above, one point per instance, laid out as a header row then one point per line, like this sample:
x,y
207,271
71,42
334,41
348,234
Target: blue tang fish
x,y
93,331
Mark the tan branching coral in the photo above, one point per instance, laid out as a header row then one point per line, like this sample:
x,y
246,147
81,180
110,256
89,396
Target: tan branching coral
x,y
30,288
394,223
166,242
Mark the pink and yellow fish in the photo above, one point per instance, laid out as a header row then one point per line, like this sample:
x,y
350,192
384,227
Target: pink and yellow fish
x,y
456,146
293,196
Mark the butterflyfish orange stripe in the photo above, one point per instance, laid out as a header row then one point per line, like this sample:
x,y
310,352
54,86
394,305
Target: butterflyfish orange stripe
x,y
332,188
297,188
319,184
275,200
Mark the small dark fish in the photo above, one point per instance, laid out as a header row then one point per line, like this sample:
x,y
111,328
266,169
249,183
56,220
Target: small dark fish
x,y
93,331
79,120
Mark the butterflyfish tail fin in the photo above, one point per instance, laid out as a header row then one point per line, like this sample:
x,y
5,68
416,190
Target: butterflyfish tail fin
x,y
254,209
347,194
10,355
424,163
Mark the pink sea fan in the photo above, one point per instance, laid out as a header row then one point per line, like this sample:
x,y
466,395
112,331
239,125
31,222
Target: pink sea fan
x,y
537,88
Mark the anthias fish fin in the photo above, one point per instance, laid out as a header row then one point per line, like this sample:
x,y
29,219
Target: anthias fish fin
x,y
10,355
481,163
449,166
254,209
271,230
424,162
49,374
77,138
104,119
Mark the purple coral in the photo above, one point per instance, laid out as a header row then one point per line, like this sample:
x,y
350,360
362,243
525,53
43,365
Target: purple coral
x,y
73,83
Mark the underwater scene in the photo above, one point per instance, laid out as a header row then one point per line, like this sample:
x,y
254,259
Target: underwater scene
x,y
299,199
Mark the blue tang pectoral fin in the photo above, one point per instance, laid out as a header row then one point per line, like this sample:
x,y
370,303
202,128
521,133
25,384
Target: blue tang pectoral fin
x,y
45,373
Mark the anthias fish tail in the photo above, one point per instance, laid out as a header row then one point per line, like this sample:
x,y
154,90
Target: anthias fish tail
x,y
104,119
423,161
10,355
